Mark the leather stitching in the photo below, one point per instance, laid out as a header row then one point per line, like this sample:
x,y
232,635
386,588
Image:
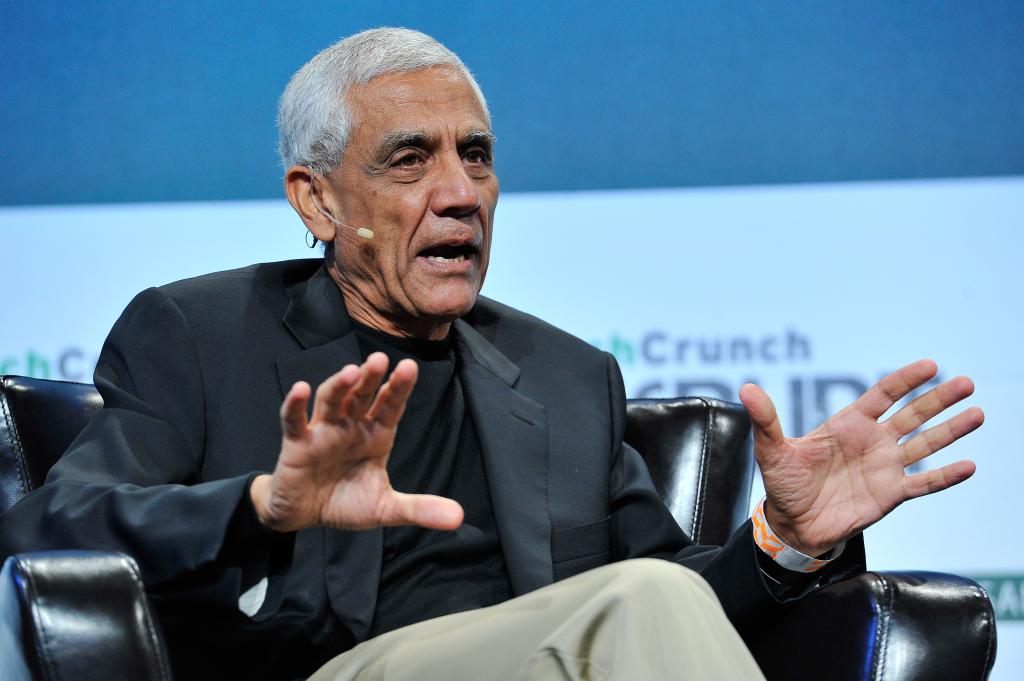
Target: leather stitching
x,y
698,507
154,639
41,644
991,636
885,609
706,460
19,451
877,608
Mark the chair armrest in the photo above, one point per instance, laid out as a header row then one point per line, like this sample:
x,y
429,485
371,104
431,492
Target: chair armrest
x,y
78,615
883,626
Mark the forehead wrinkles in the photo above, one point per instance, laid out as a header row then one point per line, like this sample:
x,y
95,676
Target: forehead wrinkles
x,y
415,101
425,85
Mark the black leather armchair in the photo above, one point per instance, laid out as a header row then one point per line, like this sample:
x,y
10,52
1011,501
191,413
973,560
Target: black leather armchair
x,y
83,615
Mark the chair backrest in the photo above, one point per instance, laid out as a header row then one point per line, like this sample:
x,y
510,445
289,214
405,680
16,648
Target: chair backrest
x,y
77,616
700,454
698,449
38,420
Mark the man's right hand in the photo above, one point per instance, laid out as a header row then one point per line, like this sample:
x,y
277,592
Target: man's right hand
x,y
332,469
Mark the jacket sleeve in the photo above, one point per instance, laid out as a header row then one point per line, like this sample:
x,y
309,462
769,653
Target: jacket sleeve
x,y
642,526
132,481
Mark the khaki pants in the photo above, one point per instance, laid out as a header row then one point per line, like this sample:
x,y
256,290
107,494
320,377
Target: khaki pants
x,y
630,621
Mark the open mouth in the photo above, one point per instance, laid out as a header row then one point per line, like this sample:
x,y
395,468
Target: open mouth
x,y
449,253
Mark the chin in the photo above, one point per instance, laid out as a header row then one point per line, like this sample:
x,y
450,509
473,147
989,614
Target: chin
x,y
451,298
448,308
450,313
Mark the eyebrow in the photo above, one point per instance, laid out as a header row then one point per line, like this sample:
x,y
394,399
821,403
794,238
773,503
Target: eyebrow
x,y
483,137
419,138
401,138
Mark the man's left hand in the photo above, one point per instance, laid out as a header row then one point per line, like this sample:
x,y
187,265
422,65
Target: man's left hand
x,y
849,472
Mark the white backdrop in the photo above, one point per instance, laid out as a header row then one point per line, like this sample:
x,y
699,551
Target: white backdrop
x,y
814,291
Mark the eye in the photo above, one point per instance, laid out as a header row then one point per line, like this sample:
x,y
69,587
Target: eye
x,y
408,160
477,156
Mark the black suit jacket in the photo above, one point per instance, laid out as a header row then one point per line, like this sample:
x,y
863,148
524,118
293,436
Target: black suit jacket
x,y
192,377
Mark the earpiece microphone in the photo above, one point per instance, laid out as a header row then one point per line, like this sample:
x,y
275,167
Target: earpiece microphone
x,y
361,232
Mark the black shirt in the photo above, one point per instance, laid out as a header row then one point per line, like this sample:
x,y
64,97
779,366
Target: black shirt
x,y
430,573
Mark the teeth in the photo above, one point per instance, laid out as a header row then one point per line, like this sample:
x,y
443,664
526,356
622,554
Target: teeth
x,y
438,258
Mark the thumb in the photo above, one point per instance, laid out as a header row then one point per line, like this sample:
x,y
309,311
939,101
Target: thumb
x,y
767,429
425,510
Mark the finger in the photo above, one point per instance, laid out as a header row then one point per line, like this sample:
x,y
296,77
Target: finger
x,y
763,416
891,389
937,480
293,411
361,396
390,404
425,510
924,408
932,440
331,393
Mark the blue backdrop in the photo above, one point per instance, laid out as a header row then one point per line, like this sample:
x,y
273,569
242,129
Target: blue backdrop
x,y
150,101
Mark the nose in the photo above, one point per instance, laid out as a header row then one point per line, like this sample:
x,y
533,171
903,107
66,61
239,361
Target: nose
x,y
454,194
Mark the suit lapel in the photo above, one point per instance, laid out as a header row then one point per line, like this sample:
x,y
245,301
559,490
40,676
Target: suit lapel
x,y
318,320
513,435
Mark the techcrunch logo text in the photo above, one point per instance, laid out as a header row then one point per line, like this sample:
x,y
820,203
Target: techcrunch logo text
x,y
657,363
70,364
660,348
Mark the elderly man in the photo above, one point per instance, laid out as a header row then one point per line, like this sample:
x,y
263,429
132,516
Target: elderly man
x,y
272,535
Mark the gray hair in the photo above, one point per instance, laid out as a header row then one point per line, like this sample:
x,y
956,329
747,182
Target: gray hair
x,y
313,117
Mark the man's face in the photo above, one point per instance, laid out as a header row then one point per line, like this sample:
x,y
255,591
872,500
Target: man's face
x,y
418,171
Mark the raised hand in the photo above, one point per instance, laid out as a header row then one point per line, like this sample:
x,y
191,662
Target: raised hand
x,y
332,469
849,472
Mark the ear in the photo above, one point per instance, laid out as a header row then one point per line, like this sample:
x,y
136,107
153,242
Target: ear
x,y
300,187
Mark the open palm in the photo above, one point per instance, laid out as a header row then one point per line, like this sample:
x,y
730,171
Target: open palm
x,y
332,469
850,472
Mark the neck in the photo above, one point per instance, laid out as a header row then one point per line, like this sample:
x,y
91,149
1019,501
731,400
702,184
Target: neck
x,y
403,326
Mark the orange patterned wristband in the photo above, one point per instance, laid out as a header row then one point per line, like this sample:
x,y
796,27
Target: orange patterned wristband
x,y
786,556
